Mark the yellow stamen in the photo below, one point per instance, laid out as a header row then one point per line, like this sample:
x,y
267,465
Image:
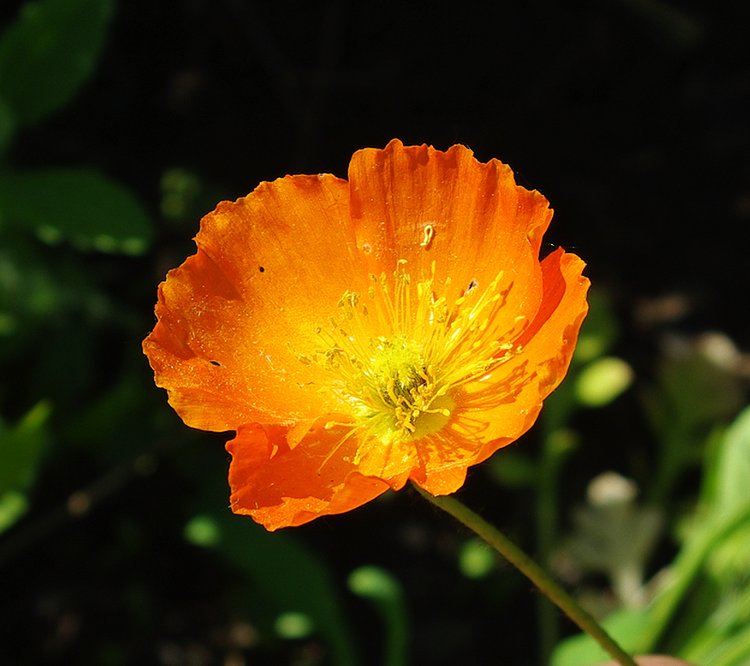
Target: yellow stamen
x,y
397,354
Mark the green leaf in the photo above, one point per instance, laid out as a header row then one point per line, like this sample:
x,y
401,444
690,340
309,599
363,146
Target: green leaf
x,y
476,559
733,466
202,530
376,584
734,651
724,637
706,605
79,205
687,568
603,380
581,650
21,447
48,53
12,506
386,595
294,626
727,480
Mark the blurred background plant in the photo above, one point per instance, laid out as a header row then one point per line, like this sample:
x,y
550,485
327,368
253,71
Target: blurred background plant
x,y
122,123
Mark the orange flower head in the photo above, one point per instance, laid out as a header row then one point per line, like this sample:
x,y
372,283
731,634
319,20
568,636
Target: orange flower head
x,y
358,334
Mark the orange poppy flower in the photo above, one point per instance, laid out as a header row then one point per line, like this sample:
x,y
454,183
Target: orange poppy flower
x,y
358,334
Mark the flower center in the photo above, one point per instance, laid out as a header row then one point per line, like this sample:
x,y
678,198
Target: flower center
x,y
401,392
397,356
397,369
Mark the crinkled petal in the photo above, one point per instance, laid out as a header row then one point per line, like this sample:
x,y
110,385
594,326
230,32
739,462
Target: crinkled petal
x,y
505,404
421,205
393,462
281,486
444,457
234,318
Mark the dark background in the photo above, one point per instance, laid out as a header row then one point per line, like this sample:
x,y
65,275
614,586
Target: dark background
x,y
631,116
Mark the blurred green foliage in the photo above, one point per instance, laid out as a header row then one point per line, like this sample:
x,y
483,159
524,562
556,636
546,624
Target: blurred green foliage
x,y
386,594
293,583
697,609
95,469
46,56
81,206
21,449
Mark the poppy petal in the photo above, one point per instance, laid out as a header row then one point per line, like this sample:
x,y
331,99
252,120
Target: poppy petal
x,y
421,205
280,486
234,316
504,405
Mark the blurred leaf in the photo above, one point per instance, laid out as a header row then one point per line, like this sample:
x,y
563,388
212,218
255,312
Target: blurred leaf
x,y
706,606
12,506
688,568
724,494
385,593
614,536
691,617
80,205
697,391
376,584
202,530
48,53
625,626
734,651
724,635
21,448
293,626
179,190
733,468
29,286
728,562
616,539
476,559
603,380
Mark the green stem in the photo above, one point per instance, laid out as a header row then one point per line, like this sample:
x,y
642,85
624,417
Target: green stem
x,y
547,586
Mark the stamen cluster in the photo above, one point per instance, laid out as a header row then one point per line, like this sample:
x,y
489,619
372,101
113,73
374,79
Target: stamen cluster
x,y
397,356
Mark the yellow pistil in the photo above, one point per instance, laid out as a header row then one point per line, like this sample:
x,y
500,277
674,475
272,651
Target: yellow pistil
x,y
397,354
